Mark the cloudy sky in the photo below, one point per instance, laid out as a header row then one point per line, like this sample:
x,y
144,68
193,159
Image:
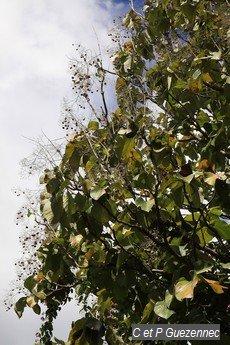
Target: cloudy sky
x,y
36,43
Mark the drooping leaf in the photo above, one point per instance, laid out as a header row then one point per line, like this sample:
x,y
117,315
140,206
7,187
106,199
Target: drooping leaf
x,y
216,286
20,306
185,289
37,309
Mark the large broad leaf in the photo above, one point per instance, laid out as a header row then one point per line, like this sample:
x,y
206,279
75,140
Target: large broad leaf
x,y
222,228
54,266
37,309
204,235
20,306
125,147
76,331
47,210
144,205
100,213
97,192
53,185
168,298
52,209
75,159
30,283
162,310
40,294
185,289
210,178
76,240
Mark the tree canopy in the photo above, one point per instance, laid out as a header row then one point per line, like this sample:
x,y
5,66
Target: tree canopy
x,y
135,218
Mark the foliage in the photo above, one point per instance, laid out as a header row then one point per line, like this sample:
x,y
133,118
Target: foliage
x,y
136,213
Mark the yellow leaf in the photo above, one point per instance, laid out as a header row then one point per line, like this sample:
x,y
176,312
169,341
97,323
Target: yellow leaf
x,y
117,113
127,232
128,46
207,78
89,254
120,83
185,288
215,285
39,277
30,301
89,165
136,156
75,241
195,85
210,179
205,164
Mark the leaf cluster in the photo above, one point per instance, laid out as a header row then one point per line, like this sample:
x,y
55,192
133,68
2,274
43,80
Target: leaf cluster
x,y
137,212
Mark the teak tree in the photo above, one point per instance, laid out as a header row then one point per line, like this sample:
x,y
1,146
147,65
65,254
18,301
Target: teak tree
x,y
137,212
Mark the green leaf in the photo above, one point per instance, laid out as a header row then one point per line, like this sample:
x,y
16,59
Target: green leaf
x,y
37,309
216,211
147,311
144,205
100,213
125,147
20,306
205,235
93,125
222,228
81,202
53,185
52,208
74,160
97,192
30,283
54,266
168,298
77,329
40,294
178,196
162,310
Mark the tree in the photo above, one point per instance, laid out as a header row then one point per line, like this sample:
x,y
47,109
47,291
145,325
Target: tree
x,y
136,215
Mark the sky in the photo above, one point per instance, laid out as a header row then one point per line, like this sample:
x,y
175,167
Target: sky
x,y
36,44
